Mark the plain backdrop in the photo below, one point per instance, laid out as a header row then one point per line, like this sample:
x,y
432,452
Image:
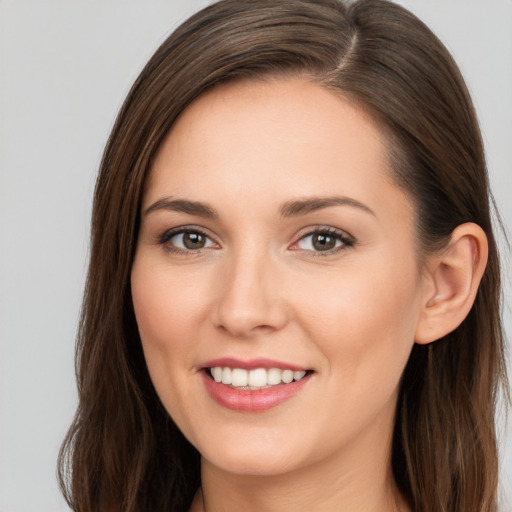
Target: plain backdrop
x,y
65,67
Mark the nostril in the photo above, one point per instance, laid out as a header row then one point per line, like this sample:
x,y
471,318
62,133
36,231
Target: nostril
x,y
245,329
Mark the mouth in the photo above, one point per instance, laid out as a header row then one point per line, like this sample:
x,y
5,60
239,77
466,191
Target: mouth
x,y
254,379
254,385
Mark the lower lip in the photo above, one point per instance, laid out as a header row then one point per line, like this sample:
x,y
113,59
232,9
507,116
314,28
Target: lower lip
x,y
246,400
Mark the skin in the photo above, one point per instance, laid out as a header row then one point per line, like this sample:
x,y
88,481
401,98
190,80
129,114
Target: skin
x,y
260,289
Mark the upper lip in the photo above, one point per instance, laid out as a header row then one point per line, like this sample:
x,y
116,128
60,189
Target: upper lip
x,y
251,364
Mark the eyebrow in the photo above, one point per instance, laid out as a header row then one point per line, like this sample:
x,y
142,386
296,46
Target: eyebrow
x,y
183,205
312,204
293,208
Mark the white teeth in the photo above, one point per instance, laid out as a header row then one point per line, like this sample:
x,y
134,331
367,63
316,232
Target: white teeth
x,y
239,377
298,375
258,378
287,376
273,376
217,373
254,379
226,375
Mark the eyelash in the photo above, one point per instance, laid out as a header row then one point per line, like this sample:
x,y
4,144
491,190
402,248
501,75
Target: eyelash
x,y
168,235
346,241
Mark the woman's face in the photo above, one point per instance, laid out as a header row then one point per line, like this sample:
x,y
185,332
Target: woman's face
x,y
273,239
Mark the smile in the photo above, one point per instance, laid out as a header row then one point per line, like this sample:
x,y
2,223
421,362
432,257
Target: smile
x,y
254,386
255,379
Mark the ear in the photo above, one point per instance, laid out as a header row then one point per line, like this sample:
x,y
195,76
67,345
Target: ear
x,y
451,282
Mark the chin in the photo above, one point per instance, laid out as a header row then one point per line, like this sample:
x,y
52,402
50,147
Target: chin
x,y
251,457
259,465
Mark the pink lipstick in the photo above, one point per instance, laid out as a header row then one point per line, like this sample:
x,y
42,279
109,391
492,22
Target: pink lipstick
x,y
254,385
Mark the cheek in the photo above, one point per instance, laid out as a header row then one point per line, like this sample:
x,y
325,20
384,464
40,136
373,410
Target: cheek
x,y
363,324
167,311
166,305
364,315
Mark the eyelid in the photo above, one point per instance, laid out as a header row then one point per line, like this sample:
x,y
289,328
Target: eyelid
x,y
168,234
346,239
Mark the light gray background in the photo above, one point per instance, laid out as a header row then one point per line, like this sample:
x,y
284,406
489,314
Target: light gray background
x,y
65,67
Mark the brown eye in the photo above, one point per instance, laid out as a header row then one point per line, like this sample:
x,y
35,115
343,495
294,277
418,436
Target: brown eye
x,y
184,240
194,240
323,242
328,241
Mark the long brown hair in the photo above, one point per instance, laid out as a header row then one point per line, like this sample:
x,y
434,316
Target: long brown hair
x,y
123,452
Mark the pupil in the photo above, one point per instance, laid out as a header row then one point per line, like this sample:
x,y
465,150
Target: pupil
x,y
193,240
322,242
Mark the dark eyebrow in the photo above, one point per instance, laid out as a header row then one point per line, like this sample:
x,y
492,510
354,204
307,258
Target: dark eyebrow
x,y
311,204
184,206
289,209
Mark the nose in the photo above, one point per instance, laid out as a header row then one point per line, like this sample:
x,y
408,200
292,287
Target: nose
x,y
250,297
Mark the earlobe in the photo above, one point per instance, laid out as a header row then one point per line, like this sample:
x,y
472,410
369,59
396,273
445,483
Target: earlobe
x,y
453,278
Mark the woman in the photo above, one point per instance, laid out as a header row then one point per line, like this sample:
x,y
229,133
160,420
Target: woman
x,y
293,292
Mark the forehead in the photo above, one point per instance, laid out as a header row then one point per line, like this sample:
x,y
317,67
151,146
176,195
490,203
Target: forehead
x,y
274,139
